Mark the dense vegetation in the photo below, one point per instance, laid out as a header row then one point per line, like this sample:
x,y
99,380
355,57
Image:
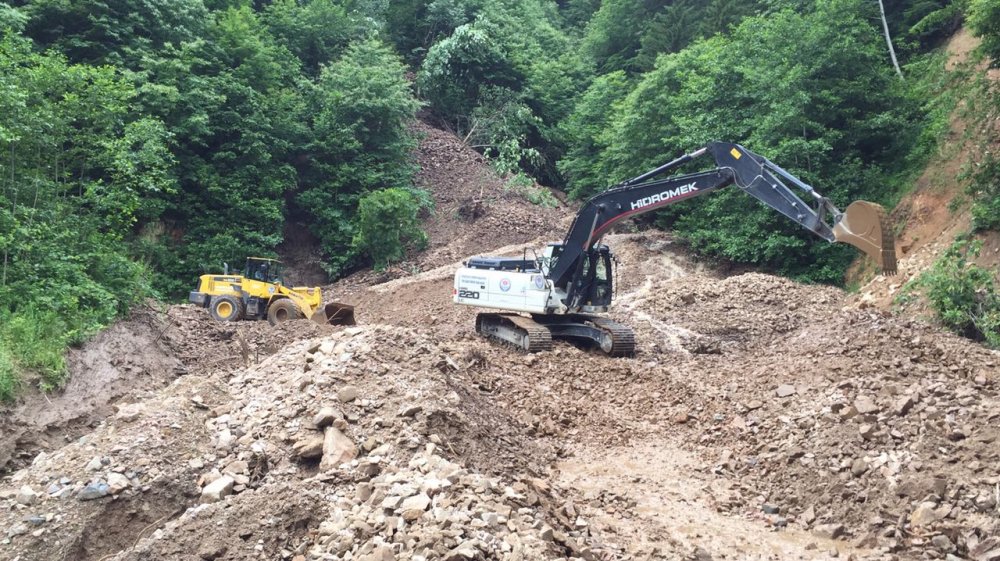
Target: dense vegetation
x,y
984,18
147,141
963,294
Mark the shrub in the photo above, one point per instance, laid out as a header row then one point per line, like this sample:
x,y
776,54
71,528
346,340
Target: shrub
x,y
388,223
964,294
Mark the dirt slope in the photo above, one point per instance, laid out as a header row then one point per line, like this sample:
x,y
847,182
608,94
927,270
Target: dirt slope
x,y
936,212
759,419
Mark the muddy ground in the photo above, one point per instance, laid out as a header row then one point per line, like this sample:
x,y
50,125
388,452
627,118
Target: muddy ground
x,y
759,419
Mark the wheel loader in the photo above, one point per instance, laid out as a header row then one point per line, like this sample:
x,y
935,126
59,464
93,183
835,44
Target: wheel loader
x,y
260,294
558,294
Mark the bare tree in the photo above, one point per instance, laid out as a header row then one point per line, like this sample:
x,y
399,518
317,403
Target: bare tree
x,y
888,40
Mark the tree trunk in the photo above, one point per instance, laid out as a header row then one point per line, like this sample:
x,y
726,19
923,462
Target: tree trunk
x,y
888,40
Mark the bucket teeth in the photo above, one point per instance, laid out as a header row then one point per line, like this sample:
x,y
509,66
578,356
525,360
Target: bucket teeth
x,y
866,226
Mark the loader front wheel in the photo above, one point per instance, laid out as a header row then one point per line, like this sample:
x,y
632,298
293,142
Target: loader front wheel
x,y
282,311
227,308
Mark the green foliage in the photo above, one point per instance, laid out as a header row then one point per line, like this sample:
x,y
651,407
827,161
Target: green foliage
x,y
117,33
963,294
499,128
928,22
11,19
576,13
629,34
983,107
984,19
457,69
526,188
388,223
317,32
36,341
10,381
361,108
585,130
985,189
74,173
794,87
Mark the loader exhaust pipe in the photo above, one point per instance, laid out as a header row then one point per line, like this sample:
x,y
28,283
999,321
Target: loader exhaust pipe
x,y
866,226
334,313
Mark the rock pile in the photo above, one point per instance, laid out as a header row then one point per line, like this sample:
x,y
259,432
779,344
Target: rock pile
x,y
376,427
865,433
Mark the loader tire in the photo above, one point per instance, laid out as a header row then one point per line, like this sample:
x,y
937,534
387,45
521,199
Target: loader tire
x,y
227,308
282,311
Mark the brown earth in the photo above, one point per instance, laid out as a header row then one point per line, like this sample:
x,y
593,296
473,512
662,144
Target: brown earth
x,y
936,211
759,419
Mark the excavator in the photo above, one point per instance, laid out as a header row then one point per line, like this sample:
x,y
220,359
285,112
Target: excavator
x,y
558,295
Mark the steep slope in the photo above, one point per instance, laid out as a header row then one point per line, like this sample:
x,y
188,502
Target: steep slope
x,y
936,212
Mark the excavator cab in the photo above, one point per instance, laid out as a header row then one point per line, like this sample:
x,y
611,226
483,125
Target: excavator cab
x,y
592,288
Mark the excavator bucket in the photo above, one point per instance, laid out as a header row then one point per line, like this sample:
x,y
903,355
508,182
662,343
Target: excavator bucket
x,y
335,313
866,226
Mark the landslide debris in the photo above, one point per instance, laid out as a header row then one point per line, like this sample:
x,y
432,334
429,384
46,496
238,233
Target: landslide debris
x,y
848,423
127,361
370,440
760,419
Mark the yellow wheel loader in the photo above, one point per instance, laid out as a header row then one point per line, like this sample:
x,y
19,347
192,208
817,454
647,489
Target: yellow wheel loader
x,y
260,294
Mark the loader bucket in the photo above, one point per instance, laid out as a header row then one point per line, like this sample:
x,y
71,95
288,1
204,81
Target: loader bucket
x,y
866,226
334,313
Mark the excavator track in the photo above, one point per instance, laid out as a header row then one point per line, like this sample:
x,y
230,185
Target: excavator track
x,y
516,331
622,336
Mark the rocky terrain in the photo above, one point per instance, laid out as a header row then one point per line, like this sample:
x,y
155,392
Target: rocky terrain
x,y
759,419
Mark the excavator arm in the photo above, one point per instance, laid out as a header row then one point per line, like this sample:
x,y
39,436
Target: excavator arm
x,y
864,225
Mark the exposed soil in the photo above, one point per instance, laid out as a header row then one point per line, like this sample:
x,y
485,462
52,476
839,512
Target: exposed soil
x,y
936,212
759,419
302,257
131,356
472,205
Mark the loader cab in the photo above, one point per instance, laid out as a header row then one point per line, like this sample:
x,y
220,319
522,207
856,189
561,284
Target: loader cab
x,y
264,270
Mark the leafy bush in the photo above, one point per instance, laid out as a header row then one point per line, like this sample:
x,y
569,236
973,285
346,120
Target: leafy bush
x,y
525,187
963,294
10,382
985,189
388,223
35,341
984,19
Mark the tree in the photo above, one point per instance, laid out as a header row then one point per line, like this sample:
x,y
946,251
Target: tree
x,y
388,222
459,68
585,132
888,40
361,107
317,32
984,18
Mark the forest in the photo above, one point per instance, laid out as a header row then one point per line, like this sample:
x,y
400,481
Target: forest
x,y
145,142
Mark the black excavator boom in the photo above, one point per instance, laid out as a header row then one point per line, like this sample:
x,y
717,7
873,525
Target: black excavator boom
x,y
566,288
752,173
